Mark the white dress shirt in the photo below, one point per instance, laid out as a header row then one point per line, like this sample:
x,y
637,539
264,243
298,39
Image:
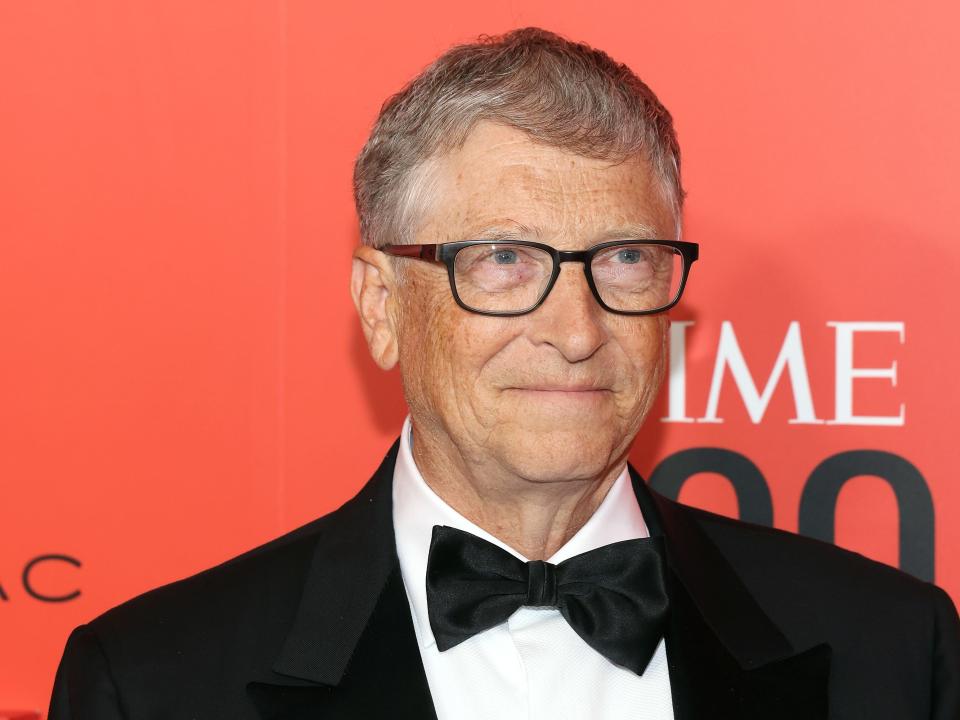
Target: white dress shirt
x,y
533,666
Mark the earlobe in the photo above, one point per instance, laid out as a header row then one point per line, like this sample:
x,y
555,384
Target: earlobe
x,y
372,284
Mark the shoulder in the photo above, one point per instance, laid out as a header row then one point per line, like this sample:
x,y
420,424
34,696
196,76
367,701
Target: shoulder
x,y
820,587
195,635
891,635
209,634
270,561
762,553
244,607
245,603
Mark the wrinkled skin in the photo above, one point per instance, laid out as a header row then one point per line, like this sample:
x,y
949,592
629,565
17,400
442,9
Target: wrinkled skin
x,y
521,423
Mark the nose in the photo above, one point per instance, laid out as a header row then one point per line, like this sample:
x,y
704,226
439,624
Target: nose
x,y
570,319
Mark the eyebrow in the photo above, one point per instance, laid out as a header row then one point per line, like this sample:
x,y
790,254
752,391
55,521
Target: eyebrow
x,y
500,230
633,231
508,230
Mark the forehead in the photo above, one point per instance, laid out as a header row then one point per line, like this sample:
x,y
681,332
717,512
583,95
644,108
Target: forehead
x,y
499,179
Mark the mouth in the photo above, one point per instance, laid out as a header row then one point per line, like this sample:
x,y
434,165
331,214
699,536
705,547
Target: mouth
x,y
544,391
561,388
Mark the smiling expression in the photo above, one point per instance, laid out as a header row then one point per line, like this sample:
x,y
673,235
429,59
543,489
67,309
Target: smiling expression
x,y
559,393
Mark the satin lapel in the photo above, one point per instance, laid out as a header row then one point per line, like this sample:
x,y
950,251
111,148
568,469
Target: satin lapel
x,y
351,651
727,658
709,683
383,679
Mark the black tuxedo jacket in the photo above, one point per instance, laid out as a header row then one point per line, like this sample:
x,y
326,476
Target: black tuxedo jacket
x,y
316,624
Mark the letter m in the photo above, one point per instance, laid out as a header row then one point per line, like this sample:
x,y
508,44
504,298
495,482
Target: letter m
x,y
791,357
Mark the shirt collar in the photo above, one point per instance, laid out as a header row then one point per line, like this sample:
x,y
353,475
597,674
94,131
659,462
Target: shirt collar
x,y
417,508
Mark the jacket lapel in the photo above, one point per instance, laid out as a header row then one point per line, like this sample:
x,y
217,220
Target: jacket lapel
x,y
351,652
727,659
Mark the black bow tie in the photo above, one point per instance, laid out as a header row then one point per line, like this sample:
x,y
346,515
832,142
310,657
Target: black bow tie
x,y
614,597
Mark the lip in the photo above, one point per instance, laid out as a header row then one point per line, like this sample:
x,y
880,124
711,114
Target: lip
x,y
571,396
563,389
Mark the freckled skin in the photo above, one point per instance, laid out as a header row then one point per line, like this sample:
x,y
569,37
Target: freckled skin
x,y
529,467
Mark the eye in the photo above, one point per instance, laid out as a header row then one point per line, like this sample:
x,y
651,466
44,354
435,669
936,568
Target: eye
x,y
505,257
629,256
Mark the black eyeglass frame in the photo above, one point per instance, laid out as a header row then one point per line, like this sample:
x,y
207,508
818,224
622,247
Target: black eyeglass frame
x,y
446,253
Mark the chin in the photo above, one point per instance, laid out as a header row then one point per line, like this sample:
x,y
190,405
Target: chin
x,y
559,454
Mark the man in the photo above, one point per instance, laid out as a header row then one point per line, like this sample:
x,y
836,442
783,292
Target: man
x,y
520,206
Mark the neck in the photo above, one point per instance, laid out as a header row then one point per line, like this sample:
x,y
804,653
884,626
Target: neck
x,y
535,517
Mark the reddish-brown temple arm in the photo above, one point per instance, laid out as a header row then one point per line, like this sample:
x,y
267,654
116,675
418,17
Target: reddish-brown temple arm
x,y
423,252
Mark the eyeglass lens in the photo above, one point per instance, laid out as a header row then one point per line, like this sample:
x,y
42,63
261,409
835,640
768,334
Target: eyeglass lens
x,y
504,277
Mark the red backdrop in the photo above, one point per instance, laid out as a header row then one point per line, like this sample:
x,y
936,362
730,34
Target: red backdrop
x,y
182,376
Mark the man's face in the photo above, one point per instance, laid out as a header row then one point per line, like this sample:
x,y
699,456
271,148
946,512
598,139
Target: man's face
x,y
558,393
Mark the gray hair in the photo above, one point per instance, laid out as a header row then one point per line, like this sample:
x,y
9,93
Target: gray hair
x,y
561,93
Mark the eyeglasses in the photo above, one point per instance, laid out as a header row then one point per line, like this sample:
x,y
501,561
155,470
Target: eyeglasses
x,y
627,277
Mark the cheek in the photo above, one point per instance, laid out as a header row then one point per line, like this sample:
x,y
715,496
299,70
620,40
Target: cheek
x,y
421,335
477,357
444,349
476,349
644,343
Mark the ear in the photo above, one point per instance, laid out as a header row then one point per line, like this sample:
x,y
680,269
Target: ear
x,y
373,287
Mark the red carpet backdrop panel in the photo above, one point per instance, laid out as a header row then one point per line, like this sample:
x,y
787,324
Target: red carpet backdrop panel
x,y
182,375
